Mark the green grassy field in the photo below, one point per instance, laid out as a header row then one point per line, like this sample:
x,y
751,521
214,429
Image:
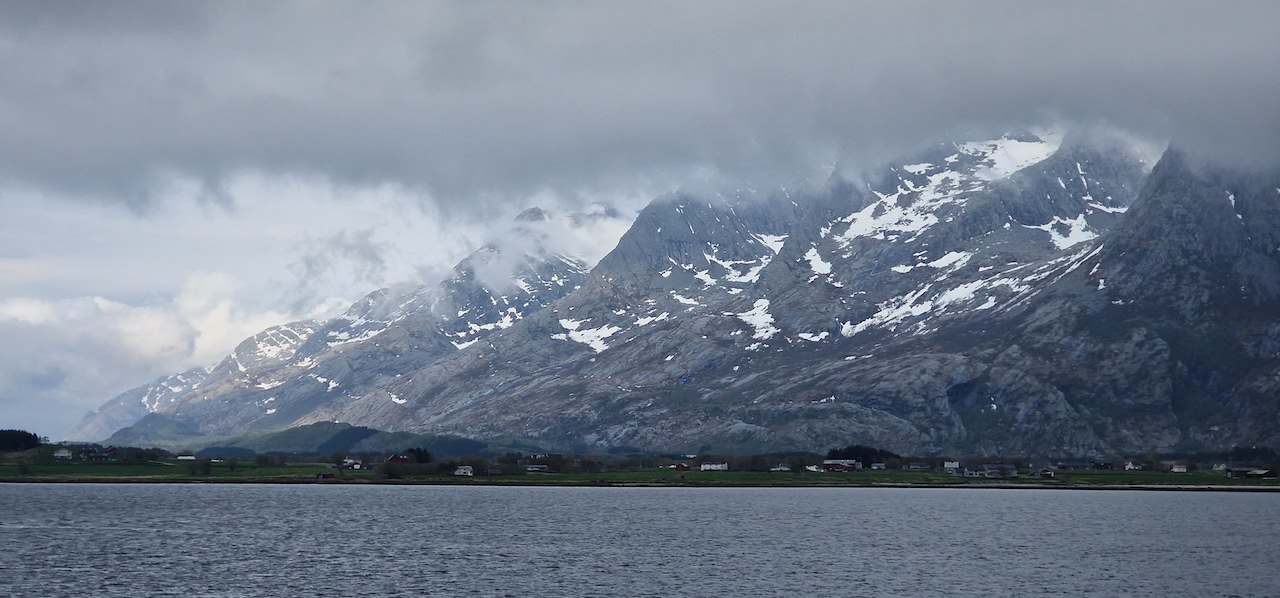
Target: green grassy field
x,y
179,471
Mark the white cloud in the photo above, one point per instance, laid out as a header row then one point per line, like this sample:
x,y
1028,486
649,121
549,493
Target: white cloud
x,y
148,334
26,310
63,358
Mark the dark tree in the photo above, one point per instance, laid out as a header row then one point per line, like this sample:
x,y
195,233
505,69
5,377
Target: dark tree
x,y
446,466
393,471
586,465
17,440
452,446
862,453
419,455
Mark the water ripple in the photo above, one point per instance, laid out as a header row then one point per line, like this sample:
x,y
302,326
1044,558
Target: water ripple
x,y
299,540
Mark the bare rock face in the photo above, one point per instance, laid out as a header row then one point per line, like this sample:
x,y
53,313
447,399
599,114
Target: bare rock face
x,y
1035,294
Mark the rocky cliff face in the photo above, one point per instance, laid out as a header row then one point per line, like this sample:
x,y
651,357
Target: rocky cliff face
x,y
1036,294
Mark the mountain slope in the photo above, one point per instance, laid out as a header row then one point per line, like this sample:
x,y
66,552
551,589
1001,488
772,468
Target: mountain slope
x,y
1029,295
132,405
252,359
666,348
265,384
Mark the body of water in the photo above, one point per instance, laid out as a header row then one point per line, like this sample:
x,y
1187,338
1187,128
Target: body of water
x,y
194,540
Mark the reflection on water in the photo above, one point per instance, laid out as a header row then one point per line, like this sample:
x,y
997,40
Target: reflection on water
x,y
322,540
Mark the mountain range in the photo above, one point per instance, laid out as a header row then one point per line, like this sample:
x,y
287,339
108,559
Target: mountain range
x,y
1036,294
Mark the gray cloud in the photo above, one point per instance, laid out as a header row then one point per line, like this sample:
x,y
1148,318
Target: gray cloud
x,y
346,255
486,101
323,121
51,376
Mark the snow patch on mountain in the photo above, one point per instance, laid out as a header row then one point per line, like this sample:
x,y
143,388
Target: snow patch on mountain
x,y
1005,156
683,299
953,259
1065,233
759,318
773,242
911,206
740,271
816,263
885,220
161,394
935,299
591,337
645,321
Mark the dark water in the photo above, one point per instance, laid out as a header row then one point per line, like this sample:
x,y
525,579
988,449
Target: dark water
x,y
232,540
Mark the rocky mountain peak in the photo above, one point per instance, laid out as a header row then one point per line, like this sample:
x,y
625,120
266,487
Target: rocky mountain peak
x,y
1199,236
534,214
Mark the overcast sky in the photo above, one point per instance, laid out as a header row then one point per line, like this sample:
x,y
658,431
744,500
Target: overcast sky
x,y
175,176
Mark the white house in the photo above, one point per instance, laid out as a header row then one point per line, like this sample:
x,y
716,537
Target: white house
x,y
715,466
464,470
62,453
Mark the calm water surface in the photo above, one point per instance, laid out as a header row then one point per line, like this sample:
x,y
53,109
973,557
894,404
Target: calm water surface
x,y
270,540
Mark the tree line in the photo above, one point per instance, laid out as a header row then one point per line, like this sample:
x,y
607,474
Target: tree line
x,y
866,454
12,441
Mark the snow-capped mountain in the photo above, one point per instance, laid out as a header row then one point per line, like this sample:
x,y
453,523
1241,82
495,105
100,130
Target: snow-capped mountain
x,y
289,372
1032,294
703,326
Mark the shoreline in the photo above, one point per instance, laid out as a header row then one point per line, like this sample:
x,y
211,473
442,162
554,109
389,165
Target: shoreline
x,y
653,484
